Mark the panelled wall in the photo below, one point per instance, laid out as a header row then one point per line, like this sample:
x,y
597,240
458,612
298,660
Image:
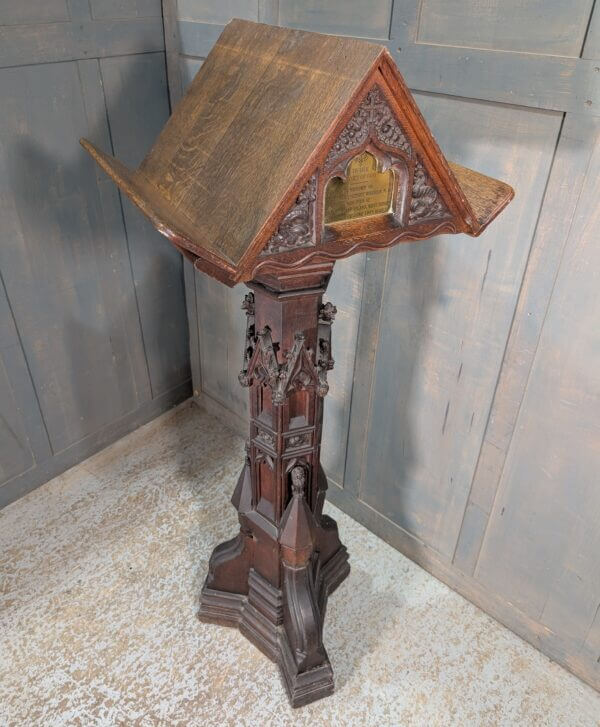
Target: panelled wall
x,y
93,330
463,422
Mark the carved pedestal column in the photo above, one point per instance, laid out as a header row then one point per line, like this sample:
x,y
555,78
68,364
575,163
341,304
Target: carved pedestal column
x,y
272,580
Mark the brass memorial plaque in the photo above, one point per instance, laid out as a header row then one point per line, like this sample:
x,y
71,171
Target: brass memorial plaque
x,y
364,193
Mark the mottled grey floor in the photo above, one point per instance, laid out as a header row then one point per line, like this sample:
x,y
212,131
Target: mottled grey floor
x,y
100,571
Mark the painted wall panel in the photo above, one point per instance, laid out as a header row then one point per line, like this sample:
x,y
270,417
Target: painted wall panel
x,y
123,9
188,69
571,160
93,337
61,308
345,291
341,17
206,11
15,454
50,11
446,313
532,26
550,481
59,42
137,105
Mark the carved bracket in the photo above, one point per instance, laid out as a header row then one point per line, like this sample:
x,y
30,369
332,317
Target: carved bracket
x,y
426,202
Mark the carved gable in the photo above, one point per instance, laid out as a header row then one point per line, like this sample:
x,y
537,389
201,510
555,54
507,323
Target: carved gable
x,y
373,119
374,128
299,370
375,122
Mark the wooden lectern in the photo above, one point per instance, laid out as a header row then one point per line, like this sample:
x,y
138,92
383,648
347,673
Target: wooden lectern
x,y
289,151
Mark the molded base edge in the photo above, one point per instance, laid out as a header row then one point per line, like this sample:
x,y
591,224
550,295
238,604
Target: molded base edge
x,y
267,633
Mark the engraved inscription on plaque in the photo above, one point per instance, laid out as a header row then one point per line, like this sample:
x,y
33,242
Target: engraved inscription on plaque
x,y
365,191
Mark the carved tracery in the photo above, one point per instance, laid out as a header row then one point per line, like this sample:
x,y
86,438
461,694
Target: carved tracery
x,y
301,367
372,123
373,118
426,202
297,228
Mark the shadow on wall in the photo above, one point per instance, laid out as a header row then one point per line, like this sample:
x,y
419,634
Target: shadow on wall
x,y
96,291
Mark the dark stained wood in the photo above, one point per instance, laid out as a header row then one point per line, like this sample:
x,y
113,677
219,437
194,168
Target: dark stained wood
x,y
237,182
273,579
276,110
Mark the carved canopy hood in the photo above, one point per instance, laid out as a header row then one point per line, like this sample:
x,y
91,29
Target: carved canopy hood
x,y
292,148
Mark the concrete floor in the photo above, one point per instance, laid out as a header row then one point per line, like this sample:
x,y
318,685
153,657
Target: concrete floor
x,y
100,571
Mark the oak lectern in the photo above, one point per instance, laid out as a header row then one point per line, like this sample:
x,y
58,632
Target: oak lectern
x,y
290,151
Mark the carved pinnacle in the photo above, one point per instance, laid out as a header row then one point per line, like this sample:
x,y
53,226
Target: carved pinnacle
x,y
248,306
324,362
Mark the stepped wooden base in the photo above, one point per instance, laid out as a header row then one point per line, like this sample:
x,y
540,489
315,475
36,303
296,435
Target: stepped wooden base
x,y
259,616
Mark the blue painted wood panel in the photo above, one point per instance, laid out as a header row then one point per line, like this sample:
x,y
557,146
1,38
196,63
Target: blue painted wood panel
x,y
549,484
512,25
93,333
207,11
447,308
341,17
124,9
51,11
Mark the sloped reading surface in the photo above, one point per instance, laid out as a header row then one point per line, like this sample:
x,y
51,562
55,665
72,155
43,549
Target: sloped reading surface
x,y
254,114
235,176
